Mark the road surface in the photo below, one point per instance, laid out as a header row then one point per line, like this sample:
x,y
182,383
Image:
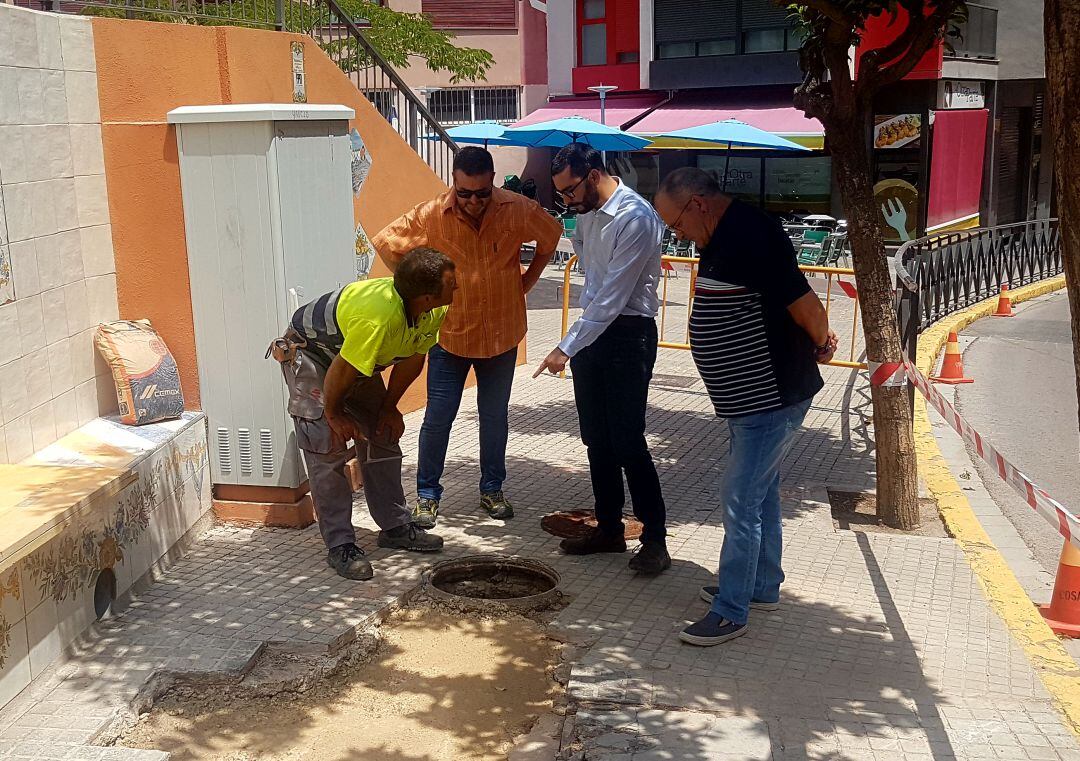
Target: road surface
x,y
1024,401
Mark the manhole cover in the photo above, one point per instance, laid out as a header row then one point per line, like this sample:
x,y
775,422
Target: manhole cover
x,y
570,524
518,583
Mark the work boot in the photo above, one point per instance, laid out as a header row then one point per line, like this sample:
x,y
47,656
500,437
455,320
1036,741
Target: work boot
x,y
410,537
349,562
593,542
497,505
425,512
651,559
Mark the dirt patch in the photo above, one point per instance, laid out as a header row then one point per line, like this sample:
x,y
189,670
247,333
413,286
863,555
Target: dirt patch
x,y
439,686
857,511
571,524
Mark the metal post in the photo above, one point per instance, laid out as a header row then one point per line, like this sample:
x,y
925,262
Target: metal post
x,y
602,90
279,15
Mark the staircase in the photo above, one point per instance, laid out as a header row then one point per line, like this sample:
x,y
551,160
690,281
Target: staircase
x,y
339,36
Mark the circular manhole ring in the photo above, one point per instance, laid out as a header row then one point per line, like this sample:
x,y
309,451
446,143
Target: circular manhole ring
x,y
570,524
480,581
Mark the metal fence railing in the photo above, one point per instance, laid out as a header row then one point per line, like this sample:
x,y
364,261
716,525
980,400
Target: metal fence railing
x,y
324,21
675,318
939,275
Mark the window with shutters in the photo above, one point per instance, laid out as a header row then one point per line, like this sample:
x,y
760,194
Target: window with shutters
x,y
470,14
698,28
461,105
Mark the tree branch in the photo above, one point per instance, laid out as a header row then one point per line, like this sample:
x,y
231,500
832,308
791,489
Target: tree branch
x,y
831,11
896,60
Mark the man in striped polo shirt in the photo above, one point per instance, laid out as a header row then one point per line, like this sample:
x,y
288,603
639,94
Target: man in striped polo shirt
x,y
757,334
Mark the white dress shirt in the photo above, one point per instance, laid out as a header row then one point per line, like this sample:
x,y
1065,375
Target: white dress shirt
x,y
619,247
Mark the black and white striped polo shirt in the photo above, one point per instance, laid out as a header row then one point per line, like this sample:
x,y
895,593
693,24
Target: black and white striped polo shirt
x,y
750,353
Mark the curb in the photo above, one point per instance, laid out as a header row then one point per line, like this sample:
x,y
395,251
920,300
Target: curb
x,y
1055,668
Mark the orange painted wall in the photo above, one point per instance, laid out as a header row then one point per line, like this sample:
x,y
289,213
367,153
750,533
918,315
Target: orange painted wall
x,y
145,69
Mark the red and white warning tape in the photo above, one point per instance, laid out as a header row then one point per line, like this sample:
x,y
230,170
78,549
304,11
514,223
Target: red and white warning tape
x,y
1067,524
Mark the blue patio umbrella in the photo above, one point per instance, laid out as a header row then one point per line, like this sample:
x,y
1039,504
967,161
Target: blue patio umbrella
x,y
481,133
731,132
557,133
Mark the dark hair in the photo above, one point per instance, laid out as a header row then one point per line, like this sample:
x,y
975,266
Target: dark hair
x,y
581,159
473,161
689,181
420,273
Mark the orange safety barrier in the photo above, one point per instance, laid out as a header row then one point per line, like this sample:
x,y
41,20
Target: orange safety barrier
x,y
669,267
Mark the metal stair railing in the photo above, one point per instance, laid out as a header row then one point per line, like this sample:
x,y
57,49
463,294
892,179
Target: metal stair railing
x,y
324,21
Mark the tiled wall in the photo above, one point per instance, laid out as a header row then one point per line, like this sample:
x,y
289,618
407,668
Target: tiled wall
x,y
47,598
57,272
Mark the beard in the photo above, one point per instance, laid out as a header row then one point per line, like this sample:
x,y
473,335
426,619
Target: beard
x,y
591,201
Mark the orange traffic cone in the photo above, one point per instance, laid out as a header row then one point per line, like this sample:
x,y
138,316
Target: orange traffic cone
x,y
1004,307
952,367
1063,612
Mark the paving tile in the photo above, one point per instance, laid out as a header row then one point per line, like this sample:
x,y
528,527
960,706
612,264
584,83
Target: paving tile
x,y
884,646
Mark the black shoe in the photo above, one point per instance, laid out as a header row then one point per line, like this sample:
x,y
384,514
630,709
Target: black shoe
x,y
652,558
349,562
410,537
593,542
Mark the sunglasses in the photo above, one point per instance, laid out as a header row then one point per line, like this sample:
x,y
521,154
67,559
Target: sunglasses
x,y
465,195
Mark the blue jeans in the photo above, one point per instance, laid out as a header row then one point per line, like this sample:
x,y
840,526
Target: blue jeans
x,y
750,496
446,377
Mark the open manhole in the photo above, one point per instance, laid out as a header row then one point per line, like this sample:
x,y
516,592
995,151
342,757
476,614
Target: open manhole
x,y
517,583
570,524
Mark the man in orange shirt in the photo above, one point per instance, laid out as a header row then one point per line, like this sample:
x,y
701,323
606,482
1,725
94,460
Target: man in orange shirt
x,y
481,228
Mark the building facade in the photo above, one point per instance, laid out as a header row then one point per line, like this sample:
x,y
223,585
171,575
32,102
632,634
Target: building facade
x,y
514,32
959,142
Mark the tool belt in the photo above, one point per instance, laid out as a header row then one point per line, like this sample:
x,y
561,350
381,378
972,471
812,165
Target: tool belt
x,y
303,375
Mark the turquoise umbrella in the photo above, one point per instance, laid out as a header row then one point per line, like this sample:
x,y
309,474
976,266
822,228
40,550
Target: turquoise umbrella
x,y
731,132
481,133
557,133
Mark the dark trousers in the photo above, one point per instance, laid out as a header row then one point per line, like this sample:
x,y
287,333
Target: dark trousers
x,y
611,390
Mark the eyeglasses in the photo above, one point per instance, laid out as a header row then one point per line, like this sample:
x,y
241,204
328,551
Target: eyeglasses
x,y
674,225
571,191
465,195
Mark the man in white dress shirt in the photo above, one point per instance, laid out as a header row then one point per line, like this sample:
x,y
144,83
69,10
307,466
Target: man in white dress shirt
x,y
611,350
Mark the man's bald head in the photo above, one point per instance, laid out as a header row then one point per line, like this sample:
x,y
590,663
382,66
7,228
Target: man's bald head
x,y
690,202
689,181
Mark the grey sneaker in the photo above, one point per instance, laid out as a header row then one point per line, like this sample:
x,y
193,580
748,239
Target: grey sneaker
x,y
497,505
349,562
425,512
410,537
708,593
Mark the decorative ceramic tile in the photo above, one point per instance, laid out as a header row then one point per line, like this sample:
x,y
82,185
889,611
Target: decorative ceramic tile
x,y
7,277
70,564
15,673
43,636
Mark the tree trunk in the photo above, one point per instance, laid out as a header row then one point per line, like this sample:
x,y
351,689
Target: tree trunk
x,y
1061,20
894,444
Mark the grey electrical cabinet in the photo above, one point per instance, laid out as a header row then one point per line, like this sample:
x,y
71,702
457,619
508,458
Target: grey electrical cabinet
x,y
268,213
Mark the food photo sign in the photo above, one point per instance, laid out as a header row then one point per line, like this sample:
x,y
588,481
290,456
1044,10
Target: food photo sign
x,y
899,131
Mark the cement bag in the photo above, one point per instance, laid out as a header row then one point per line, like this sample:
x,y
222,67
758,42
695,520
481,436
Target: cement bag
x,y
147,381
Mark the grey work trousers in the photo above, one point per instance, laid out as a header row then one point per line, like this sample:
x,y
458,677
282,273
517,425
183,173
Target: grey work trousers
x,y
326,453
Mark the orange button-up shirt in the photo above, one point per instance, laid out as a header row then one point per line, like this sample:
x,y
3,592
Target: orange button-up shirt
x,y
487,316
